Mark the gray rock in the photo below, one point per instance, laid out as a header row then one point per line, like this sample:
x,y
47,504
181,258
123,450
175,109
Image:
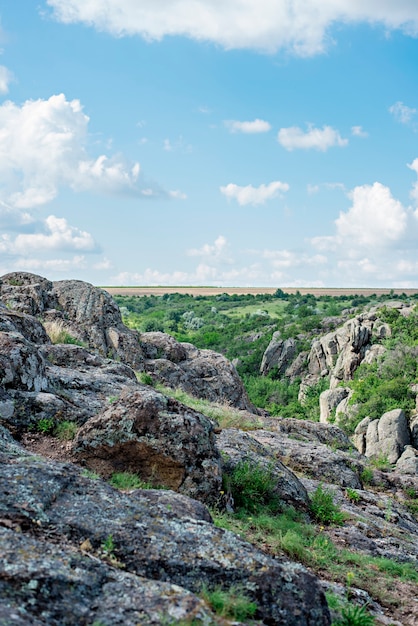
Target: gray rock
x,y
21,366
359,438
156,437
329,400
279,354
408,461
388,436
236,446
57,500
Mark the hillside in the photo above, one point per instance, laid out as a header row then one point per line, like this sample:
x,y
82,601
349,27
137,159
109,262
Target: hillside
x,y
147,479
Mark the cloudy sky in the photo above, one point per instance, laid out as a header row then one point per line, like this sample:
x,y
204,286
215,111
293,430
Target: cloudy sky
x,y
210,142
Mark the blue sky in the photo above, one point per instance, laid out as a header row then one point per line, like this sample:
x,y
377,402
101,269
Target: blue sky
x,y
208,142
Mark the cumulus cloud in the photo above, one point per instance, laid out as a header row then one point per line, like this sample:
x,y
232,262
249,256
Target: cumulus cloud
x,y
6,77
286,259
414,193
254,195
322,139
402,113
78,262
57,234
256,126
299,25
43,146
213,251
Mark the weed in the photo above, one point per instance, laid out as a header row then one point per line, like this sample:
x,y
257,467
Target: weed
x,y
353,615
58,332
367,476
252,487
323,508
127,480
352,495
45,425
381,463
112,399
66,430
145,378
232,603
108,546
89,474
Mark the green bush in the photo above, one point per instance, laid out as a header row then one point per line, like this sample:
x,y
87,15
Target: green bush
x,y
127,480
45,425
252,487
353,615
323,508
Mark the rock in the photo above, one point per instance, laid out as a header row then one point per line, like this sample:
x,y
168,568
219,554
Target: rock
x,y
359,438
29,327
21,366
329,400
156,437
388,436
373,353
279,354
408,461
90,314
297,367
162,547
414,430
309,432
203,373
236,446
158,345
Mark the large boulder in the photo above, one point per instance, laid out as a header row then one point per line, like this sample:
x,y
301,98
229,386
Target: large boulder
x,y
329,400
238,447
388,436
156,437
279,354
58,521
408,461
201,373
89,314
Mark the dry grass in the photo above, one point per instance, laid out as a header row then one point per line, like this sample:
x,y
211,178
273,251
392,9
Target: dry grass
x,y
58,332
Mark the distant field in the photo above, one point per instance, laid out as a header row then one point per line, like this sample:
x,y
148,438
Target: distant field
x,y
214,291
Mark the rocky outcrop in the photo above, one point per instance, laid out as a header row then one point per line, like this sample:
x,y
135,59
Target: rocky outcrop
x,y
329,400
236,447
279,354
166,556
385,437
89,313
202,373
163,441
408,461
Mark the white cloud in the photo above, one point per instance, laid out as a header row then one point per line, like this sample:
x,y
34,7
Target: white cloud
x,y
299,25
414,193
177,195
293,138
357,131
6,77
214,251
286,259
402,113
57,235
256,126
254,195
43,146
78,262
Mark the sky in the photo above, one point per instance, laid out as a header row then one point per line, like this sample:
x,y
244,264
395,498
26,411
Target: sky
x,y
267,143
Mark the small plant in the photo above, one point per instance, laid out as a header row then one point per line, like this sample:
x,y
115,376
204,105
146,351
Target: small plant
x,y
112,399
353,615
323,508
145,378
66,430
252,487
89,474
232,603
45,425
127,480
381,463
108,546
366,476
352,495
58,332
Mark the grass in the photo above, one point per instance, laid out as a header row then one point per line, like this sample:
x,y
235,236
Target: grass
x,y
66,431
58,332
287,534
221,413
252,487
127,480
323,508
232,603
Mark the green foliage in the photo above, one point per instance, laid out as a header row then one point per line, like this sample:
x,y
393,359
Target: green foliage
x,y
127,480
381,463
232,603
366,476
353,615
66,430
89,474
145,378
252,487
45,425
352,495
108,546
323,508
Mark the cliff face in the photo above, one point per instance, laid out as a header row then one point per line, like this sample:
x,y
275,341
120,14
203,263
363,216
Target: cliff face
x,y
77,551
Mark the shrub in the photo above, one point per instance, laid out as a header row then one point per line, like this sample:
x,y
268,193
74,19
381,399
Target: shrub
x,y
252,487
127,480
58,332
66,430
323,508
353,615
45,425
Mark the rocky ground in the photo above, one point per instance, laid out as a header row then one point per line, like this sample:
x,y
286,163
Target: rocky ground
x,y
78,551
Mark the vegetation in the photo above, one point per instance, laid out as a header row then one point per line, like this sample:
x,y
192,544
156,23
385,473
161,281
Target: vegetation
x,y
127,480
252,487
323,508
66,430
58,332
233,603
